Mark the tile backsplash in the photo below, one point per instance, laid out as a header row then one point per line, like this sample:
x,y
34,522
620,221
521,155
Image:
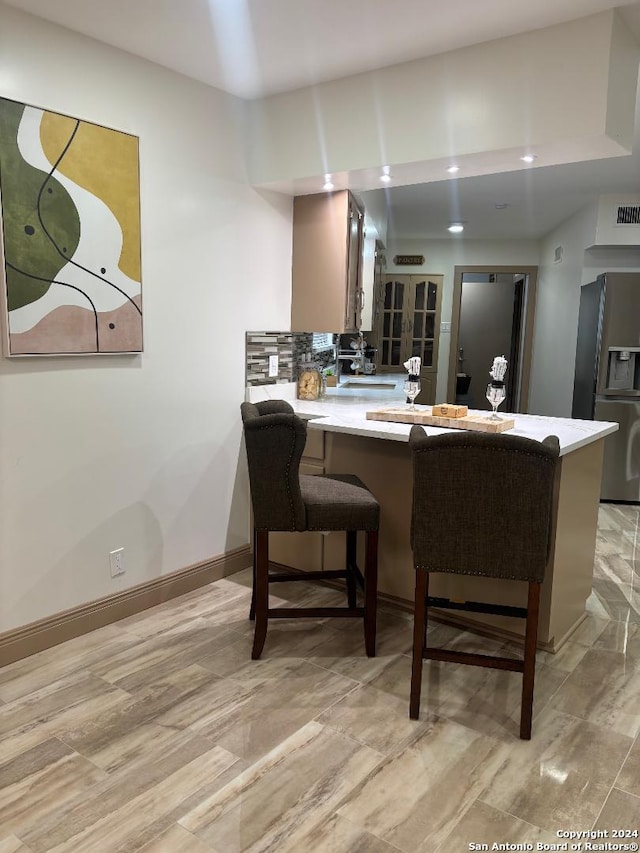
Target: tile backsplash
x,y
292,348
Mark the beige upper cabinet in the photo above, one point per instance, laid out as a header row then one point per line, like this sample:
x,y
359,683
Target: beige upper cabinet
x,y
326,293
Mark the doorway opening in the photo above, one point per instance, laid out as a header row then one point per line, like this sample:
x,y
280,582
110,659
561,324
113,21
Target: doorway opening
x,y
492,315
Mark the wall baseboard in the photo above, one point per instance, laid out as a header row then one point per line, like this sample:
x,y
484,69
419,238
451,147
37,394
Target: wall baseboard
x,y
52,630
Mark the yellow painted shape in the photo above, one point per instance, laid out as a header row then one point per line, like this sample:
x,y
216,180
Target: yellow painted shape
x,y
104,162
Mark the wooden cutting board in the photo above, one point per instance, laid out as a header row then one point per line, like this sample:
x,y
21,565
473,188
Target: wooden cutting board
x,y
475,423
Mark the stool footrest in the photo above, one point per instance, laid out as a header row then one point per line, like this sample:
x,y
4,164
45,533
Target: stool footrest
x,y
306,576
310,612
478,607
329,574
512,664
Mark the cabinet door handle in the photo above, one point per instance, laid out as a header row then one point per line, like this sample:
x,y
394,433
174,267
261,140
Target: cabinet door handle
x,y
362,300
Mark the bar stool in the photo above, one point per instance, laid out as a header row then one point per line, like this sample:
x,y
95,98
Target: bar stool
x,y
482,505
285,500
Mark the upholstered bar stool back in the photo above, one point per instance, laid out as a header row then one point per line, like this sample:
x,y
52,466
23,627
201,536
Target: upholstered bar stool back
x,y
285,500
482,505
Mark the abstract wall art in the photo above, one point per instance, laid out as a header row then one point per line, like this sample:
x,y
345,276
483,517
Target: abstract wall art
x,y
70,196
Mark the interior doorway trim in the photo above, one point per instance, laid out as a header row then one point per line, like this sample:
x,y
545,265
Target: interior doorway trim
x,y
528,318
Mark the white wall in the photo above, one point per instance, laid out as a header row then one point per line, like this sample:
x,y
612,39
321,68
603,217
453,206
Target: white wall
x,y
558,302
567,91
556,328
597,261
441,258
607,232
140,452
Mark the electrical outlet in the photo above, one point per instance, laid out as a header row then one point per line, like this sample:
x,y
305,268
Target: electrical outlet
x,y
116,562
273,365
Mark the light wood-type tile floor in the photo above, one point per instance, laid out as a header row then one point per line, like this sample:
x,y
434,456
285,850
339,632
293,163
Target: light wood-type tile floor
x,y
159,734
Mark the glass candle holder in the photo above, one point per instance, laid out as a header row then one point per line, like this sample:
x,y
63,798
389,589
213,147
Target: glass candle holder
x,y
412,389
495,395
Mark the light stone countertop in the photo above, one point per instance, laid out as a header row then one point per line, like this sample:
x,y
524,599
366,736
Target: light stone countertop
x,y
344,410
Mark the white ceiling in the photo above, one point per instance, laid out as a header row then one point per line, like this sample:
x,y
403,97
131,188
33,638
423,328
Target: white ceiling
x,y
538,199
253,48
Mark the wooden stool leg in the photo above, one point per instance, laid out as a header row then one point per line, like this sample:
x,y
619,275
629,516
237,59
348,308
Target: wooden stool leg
x,y
262,591
419,628
425,624
529,669
252,607
351,558
370,592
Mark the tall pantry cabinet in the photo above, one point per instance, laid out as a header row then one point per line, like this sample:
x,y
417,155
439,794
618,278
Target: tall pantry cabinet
x,y
326,289
408,323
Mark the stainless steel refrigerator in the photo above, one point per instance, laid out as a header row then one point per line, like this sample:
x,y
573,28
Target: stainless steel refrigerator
x,y
607,379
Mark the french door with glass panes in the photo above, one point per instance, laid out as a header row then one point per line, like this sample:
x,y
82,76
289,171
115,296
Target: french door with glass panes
x,y
408,323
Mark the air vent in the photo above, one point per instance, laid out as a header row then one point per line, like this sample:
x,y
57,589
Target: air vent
x,y
558,252
628,214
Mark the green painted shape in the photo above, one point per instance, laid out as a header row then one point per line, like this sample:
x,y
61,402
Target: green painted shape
x,y
20,184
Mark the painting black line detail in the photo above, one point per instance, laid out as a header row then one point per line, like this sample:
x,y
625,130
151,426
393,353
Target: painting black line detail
x,y
64,284
53,242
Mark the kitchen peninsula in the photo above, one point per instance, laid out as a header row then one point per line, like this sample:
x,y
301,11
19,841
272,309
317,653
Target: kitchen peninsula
x,y
341,439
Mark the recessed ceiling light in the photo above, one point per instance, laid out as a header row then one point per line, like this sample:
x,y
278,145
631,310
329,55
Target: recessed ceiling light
x,y
385,178
455,228
501,205
528,158
453,169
